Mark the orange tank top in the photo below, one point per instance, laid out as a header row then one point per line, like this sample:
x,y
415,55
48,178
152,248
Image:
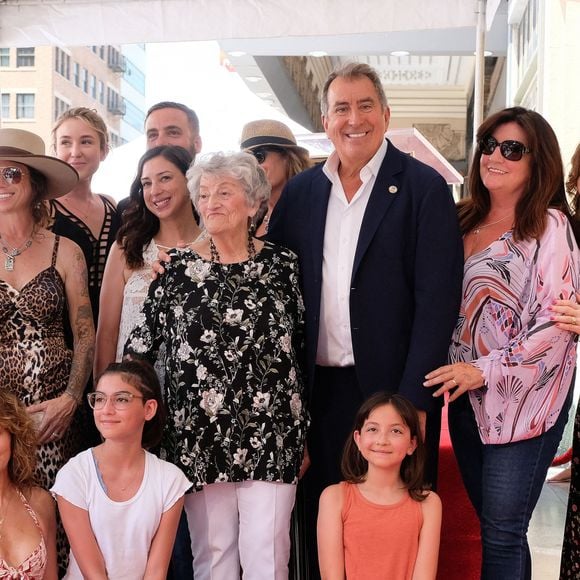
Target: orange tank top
x,y
380,541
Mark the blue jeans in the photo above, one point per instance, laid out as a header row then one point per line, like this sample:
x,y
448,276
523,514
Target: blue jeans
x,y
503,483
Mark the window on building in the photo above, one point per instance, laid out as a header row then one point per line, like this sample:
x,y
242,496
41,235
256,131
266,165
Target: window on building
x,y
62,63
134,116
25,56
93,86
113,139
101,92
134,76
4,57
85,81
25,105
102,52
60,107
77,74
5,106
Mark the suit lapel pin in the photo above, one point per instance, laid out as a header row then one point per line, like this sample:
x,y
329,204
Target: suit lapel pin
x,y
393,189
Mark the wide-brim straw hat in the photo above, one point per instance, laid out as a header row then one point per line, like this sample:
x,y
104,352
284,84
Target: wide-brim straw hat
x,y
268,133
28,149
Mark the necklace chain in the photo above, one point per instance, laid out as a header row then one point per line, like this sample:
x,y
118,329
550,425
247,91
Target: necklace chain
x,y
11,253
477,229
215,256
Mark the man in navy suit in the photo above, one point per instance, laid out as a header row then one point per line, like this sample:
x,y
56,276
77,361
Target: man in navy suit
x,y
381,263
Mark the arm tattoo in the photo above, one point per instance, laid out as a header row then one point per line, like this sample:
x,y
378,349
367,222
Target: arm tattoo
x,y
83,353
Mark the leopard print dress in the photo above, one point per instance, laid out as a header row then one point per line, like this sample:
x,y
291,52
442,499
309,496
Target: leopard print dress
x,y
35,361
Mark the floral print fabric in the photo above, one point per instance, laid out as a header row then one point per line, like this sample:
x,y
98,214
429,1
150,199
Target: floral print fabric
x,y
233,385
504,328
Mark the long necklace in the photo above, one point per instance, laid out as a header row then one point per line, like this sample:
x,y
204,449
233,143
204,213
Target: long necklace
x,y
11,253
215,256
479,228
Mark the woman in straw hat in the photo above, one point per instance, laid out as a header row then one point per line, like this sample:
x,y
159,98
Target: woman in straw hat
x,y
39,273
275,148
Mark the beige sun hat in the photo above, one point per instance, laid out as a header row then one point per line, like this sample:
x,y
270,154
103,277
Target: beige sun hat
x,y
28,149
268,133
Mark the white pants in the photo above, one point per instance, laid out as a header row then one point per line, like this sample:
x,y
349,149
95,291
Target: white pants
x,y
245,525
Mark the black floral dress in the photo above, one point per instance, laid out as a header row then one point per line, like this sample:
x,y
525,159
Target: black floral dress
x,y
233,383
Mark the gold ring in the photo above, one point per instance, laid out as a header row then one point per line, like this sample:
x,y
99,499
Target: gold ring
x,y
454,382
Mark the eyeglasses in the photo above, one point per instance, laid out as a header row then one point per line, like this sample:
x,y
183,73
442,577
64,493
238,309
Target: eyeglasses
x,y
12,175
511,150
121,400
262,153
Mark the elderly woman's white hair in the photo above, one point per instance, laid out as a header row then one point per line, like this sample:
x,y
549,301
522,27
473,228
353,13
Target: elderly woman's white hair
x,y
239,166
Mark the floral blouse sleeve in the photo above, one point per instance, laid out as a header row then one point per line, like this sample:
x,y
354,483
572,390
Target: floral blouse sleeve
x,y
527,362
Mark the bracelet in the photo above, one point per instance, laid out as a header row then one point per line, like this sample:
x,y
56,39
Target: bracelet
x,y
76,398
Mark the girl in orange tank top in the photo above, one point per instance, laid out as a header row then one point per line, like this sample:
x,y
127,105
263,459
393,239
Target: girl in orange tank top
x,y
381,522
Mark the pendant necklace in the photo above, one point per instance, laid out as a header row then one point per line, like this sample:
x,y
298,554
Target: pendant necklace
x,y
479,228
11,253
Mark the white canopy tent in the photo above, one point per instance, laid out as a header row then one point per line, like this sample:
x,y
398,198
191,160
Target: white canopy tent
x,y
86,22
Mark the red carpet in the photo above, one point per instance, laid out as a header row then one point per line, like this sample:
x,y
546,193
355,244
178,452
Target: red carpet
x,y
460,553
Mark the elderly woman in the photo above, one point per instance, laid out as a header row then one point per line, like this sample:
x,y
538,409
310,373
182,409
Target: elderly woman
x,y
507,354
27,514
230,314
274,147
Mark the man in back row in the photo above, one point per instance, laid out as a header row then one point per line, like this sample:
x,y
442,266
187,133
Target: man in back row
x,y
381,263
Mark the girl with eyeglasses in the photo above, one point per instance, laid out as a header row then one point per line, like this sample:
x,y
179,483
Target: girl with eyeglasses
x,y
120,505
510,366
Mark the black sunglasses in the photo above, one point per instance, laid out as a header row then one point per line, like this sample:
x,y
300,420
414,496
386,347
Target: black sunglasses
x,y
261,153
12,175
511,150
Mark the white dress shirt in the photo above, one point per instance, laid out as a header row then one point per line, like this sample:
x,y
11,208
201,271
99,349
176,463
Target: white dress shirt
x,y
343,224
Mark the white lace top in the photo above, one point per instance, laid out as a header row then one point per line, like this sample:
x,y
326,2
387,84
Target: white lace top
x,y
134,295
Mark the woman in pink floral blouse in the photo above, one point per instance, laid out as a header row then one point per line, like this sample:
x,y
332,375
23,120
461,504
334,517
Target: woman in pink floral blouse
x,y
507,354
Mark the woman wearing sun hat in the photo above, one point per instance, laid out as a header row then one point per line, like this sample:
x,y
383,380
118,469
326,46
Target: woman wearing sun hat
x,y
39,274
274,146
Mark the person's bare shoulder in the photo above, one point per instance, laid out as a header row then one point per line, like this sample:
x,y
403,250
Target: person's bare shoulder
x,y
332,495
431,504
43,504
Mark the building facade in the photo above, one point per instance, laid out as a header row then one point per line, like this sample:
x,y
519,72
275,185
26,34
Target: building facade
x,y
37,84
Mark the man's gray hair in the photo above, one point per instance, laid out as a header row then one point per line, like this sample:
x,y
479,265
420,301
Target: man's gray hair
x,y
240,166
354,70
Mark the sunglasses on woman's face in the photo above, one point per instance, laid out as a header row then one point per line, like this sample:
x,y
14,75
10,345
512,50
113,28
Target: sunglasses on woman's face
x,y
12,175
262,153
511,150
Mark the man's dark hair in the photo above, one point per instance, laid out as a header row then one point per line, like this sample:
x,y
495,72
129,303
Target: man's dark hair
x,y
191,115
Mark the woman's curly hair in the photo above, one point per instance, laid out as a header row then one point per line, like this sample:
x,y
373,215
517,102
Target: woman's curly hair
x,y
15,420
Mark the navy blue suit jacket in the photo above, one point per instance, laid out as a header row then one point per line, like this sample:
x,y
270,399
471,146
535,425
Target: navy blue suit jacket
x,y
407,274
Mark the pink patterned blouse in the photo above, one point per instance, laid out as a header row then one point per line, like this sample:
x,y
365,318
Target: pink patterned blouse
x,y
504,329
